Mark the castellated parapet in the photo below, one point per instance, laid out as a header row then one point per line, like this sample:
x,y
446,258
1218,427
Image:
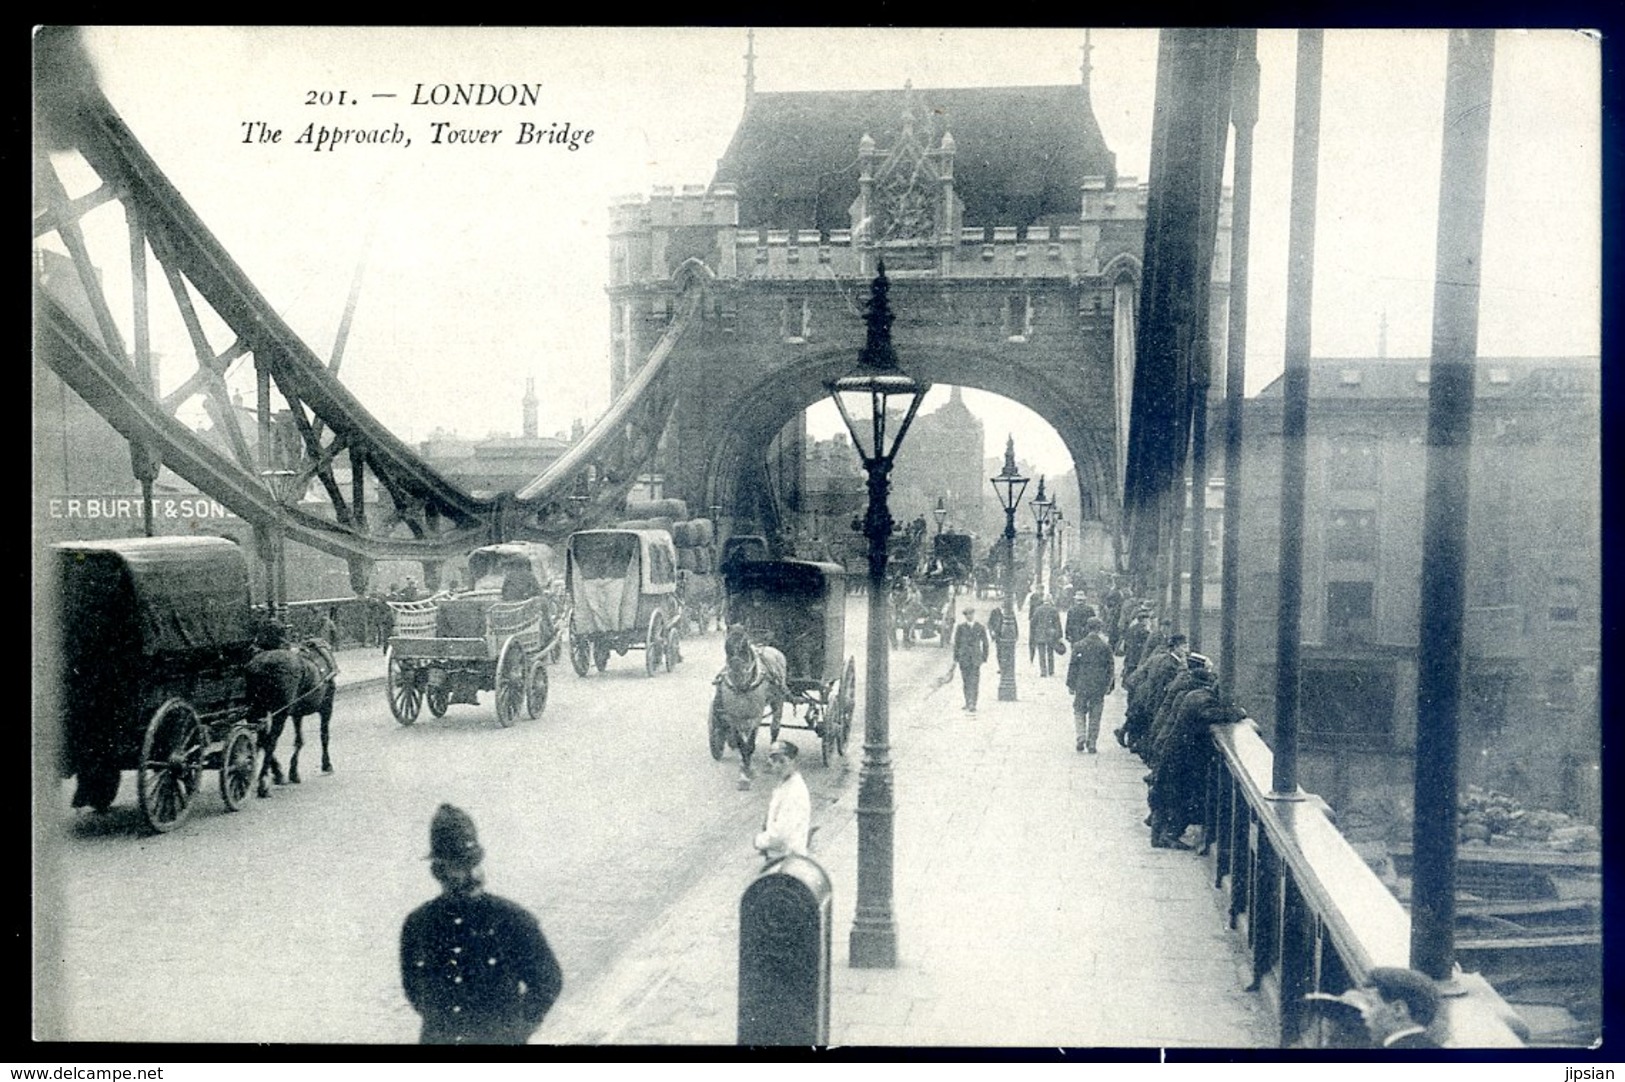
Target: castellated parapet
x,y
651,237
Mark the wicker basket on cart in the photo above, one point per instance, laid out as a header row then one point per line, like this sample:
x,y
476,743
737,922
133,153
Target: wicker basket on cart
x,y
414,619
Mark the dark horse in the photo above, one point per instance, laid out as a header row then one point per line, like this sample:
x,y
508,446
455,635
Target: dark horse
x,y
290,682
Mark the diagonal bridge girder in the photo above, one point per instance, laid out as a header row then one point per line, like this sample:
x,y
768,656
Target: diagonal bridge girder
x,y
586,488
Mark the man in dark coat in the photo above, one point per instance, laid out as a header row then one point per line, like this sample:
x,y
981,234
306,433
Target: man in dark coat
x,y
1077,618
476,967
1179,780
1044,632
1089,676
970,653
1146,685
1134,636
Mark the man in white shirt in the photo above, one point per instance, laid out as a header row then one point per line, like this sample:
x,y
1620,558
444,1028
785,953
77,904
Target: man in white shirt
x,y
789,812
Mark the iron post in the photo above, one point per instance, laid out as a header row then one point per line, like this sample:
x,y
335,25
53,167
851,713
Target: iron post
x,y
1440,655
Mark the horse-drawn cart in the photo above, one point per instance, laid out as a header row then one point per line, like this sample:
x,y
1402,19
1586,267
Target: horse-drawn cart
x,y
623,595
155,635
450,647
799,608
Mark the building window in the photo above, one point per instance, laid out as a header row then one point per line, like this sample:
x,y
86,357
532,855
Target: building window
x,y
1486,705
1352,465
1490,571
1348,705
795,318
1565,601
1351,535
1349,377
1349,610
1018,317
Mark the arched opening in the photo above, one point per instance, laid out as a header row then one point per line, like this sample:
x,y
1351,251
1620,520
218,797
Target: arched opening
x,y
813,493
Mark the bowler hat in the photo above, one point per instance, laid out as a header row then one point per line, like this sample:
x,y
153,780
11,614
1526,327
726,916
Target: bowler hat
x,y
452,837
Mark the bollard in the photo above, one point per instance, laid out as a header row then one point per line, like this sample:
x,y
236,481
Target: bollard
x,y
784,951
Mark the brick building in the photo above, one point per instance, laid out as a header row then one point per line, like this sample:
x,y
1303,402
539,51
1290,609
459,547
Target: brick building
x,y
1533,618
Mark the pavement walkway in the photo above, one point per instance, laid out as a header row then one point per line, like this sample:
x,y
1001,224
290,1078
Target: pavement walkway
x,y
1031,909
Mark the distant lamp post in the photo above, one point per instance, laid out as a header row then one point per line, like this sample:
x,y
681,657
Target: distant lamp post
x,y
285,489
1009,485
940,513
1057,528
1043,508
878,402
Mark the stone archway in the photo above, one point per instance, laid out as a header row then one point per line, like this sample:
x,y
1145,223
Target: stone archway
x,y
742,432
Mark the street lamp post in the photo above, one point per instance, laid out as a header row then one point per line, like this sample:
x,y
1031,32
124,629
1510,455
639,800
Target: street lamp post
x,y
940,513
1042,507
1009,484
281,484
1057,526
879,385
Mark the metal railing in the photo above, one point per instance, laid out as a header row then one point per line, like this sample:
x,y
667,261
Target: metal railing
x,y
359,621
1315,917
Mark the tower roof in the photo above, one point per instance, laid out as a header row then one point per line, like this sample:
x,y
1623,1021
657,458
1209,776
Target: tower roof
x,y
1021,152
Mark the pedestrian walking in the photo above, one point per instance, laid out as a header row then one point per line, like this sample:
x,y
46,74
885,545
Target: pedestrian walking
x,y
1044,634
1077,617
1089,678
476,967
788,825
971,648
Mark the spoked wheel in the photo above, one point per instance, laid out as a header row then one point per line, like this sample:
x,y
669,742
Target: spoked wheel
x,y
237,766
719,735
171,765
405,697
674,636
580,655
536,689
511,679
655,645
829,726
439,699
848,703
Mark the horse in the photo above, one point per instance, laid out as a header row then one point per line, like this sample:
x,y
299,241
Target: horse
x,y
753,682
701,600
291,682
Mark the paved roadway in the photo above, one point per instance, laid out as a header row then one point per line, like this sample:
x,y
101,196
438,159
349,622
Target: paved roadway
x,y
280,923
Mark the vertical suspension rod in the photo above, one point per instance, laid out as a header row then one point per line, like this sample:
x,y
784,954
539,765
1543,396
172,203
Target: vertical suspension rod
x,y
1295,410
1469,78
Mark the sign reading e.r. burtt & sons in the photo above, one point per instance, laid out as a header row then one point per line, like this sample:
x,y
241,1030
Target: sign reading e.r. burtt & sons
x,y
189,508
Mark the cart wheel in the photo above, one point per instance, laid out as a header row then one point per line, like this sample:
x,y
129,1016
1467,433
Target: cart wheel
x,y
439,699
510,683
171,765
237,766
828,735
719,735
673,649
655,645
536,689
600,655
848,705
405,697
580,656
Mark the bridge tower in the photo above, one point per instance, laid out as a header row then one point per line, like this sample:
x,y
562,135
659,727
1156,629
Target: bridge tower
x,y
1013,246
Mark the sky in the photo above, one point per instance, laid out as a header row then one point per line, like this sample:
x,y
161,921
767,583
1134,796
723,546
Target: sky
x,y
486,264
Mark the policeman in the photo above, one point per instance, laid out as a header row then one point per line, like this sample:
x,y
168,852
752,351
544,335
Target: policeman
x,y
476,967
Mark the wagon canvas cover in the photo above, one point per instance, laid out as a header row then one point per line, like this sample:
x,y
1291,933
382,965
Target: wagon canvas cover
x,y
171,595
609,569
